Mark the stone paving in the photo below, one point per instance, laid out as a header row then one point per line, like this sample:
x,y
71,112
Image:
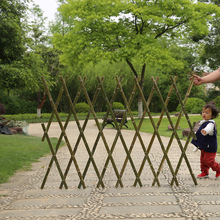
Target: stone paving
x,y
22,198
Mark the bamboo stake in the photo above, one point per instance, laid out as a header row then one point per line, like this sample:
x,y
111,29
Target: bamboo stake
x,y
60,139
54,158
191,131
116,138
171,123
63,130
176,126
65,126
137,134
81,133
52,115
156,131
158,125
180,161
105,143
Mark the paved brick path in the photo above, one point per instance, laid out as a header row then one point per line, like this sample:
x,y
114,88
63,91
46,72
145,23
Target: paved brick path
x,y
22,197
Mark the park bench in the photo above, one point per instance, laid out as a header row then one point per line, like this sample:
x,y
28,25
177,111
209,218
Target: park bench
x,y
119,114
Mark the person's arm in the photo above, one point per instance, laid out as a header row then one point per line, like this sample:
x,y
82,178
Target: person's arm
x,y
208,129
211,77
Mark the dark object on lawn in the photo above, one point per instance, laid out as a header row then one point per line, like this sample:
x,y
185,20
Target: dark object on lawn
x,y
119,114
186,132
170,128
5,130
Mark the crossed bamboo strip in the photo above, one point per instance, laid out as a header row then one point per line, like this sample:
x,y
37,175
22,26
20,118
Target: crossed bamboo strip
x,y
82,134
54,157
83,128
154,134
183,155
63,131
61,135
52,115
156,131
137,130
59,140
173,129
118,134
100,134
181,158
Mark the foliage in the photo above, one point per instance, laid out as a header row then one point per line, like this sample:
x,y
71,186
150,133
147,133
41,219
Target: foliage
x,y
82,107
118,105
193,105
12,42
14,105
211,42
123,30
212,94
12,38
21,62
2,109
209,56
137,32
217,102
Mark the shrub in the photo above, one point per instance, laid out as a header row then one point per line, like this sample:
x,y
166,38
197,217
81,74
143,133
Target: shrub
x,y
196,110
11,104
118,105
27,106
217,102
2,109
82,107
17,105
193,105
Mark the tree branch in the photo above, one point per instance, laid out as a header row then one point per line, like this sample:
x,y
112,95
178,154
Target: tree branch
x,y
169,28
132,68
135,22
142,76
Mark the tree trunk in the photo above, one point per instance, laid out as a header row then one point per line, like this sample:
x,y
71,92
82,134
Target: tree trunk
x,y
40,103
140,101
38,112
140,108
141,83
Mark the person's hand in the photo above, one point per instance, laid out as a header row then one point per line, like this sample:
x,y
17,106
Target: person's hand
x,y
197,80
203,132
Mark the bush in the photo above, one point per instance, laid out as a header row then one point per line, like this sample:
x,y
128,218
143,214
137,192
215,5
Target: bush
x,y
82,107
27,106
217,102
118,105
196,110
17,105
193,105
2,109
213,94
11,104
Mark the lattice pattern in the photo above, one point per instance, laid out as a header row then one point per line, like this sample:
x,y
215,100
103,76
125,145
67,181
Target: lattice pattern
x,y
110,149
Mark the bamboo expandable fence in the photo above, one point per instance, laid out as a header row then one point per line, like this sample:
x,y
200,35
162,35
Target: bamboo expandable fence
x,y
91,149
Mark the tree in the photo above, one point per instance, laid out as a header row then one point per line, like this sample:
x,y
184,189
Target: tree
x,y
12,38
211,45
126,30
12,42
48,56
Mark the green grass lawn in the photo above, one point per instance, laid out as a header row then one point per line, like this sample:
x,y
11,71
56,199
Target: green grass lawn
x,y
17,152
163,128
